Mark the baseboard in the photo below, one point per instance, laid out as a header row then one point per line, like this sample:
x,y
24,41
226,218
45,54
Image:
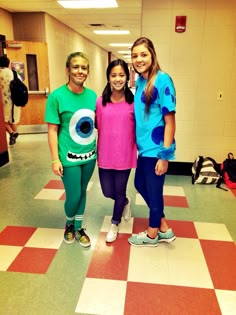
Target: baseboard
x,y
24,129
4,158
180,168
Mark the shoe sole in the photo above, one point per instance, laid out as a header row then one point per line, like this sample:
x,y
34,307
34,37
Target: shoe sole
x,y
111,240
143,245
167,240
83,245
69,242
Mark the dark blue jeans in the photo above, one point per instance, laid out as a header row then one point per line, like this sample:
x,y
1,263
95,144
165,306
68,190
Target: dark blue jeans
x,y
150,186
113,184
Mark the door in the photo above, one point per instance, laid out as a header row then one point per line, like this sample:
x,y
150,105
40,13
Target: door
x,y
32,60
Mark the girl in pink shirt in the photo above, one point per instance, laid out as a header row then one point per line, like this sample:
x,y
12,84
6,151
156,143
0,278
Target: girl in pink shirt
x,y
117,152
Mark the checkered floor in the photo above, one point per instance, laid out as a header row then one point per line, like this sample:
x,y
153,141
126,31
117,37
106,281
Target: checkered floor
x,y
194,275
28,249
199,267
173,195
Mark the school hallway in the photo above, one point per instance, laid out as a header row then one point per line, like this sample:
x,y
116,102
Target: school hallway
x,y
41,275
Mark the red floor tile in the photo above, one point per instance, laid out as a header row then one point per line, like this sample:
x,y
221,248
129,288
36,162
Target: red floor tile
x,y
175,201
154,299
140,225
183,228
233,192
54,184
63,196
16,235
33,260
110,261
221,261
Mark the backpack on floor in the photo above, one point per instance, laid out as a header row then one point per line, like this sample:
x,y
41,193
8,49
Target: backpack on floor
x,y
205,170
228,169
19,91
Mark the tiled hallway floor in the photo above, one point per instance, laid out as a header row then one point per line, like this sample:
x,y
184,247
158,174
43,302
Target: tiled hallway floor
x,y
40,274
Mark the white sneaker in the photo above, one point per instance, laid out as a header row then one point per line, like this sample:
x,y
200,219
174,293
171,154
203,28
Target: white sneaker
x,y
127,210
112,234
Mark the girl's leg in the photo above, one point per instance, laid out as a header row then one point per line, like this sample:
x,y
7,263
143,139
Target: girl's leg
x,y
120,184
75,180
106,178
86,174
114,184
139,182
150,186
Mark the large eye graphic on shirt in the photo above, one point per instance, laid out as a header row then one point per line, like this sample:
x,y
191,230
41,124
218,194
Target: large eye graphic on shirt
x,y
81,126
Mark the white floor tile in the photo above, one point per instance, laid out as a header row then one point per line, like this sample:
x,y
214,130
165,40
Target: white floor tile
x,y
90,184
50,194
179,263
227,301
139,200
174,191
108,300
46,238
124,226
7,255
212,231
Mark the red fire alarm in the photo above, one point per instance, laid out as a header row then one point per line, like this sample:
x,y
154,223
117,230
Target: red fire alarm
x,y
180,24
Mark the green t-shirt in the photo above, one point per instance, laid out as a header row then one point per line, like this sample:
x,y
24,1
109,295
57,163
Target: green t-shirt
x,y
75,114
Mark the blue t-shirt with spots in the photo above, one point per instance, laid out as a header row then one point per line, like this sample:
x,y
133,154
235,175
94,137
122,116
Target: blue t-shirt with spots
x,y
150,126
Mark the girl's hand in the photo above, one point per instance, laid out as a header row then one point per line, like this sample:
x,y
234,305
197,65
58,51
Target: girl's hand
x,y
161,167
57,169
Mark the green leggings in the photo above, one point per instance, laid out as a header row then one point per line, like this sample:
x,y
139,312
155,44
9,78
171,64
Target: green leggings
x,y
75,180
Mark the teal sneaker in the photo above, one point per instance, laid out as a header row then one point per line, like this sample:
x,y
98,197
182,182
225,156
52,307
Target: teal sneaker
x,y
166,237
142,239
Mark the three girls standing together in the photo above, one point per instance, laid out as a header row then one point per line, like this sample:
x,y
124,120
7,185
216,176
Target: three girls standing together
x,y
125,124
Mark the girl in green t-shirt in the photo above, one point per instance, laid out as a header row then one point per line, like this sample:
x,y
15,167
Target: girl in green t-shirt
x,y
70,113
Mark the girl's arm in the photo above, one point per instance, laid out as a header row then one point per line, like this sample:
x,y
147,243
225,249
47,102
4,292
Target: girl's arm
x,y
169,133
53,145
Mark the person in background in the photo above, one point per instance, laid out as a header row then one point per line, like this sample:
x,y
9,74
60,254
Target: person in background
x,y
117,152
154,108
70,114
11,112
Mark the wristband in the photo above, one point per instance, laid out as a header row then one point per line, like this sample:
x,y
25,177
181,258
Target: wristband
x,y
166,153
55,161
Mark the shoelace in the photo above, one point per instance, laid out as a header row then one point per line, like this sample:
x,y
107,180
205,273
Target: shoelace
x,y
81,232
70,228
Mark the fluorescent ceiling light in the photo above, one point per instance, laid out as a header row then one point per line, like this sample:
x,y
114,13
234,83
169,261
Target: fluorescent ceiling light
x,y
111,32
125,52
120,45
88,4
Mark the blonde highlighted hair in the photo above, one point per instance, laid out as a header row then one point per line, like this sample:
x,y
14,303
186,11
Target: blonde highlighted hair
x,y
153,70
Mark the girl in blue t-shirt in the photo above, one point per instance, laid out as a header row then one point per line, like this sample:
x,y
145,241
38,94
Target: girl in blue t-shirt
x,y
154,108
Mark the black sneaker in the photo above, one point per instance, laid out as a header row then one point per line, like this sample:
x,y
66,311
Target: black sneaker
x,y
82,238
12,140
69,234
13,137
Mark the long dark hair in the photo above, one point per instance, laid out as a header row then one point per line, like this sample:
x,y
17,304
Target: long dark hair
x,y
106,94
154,68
